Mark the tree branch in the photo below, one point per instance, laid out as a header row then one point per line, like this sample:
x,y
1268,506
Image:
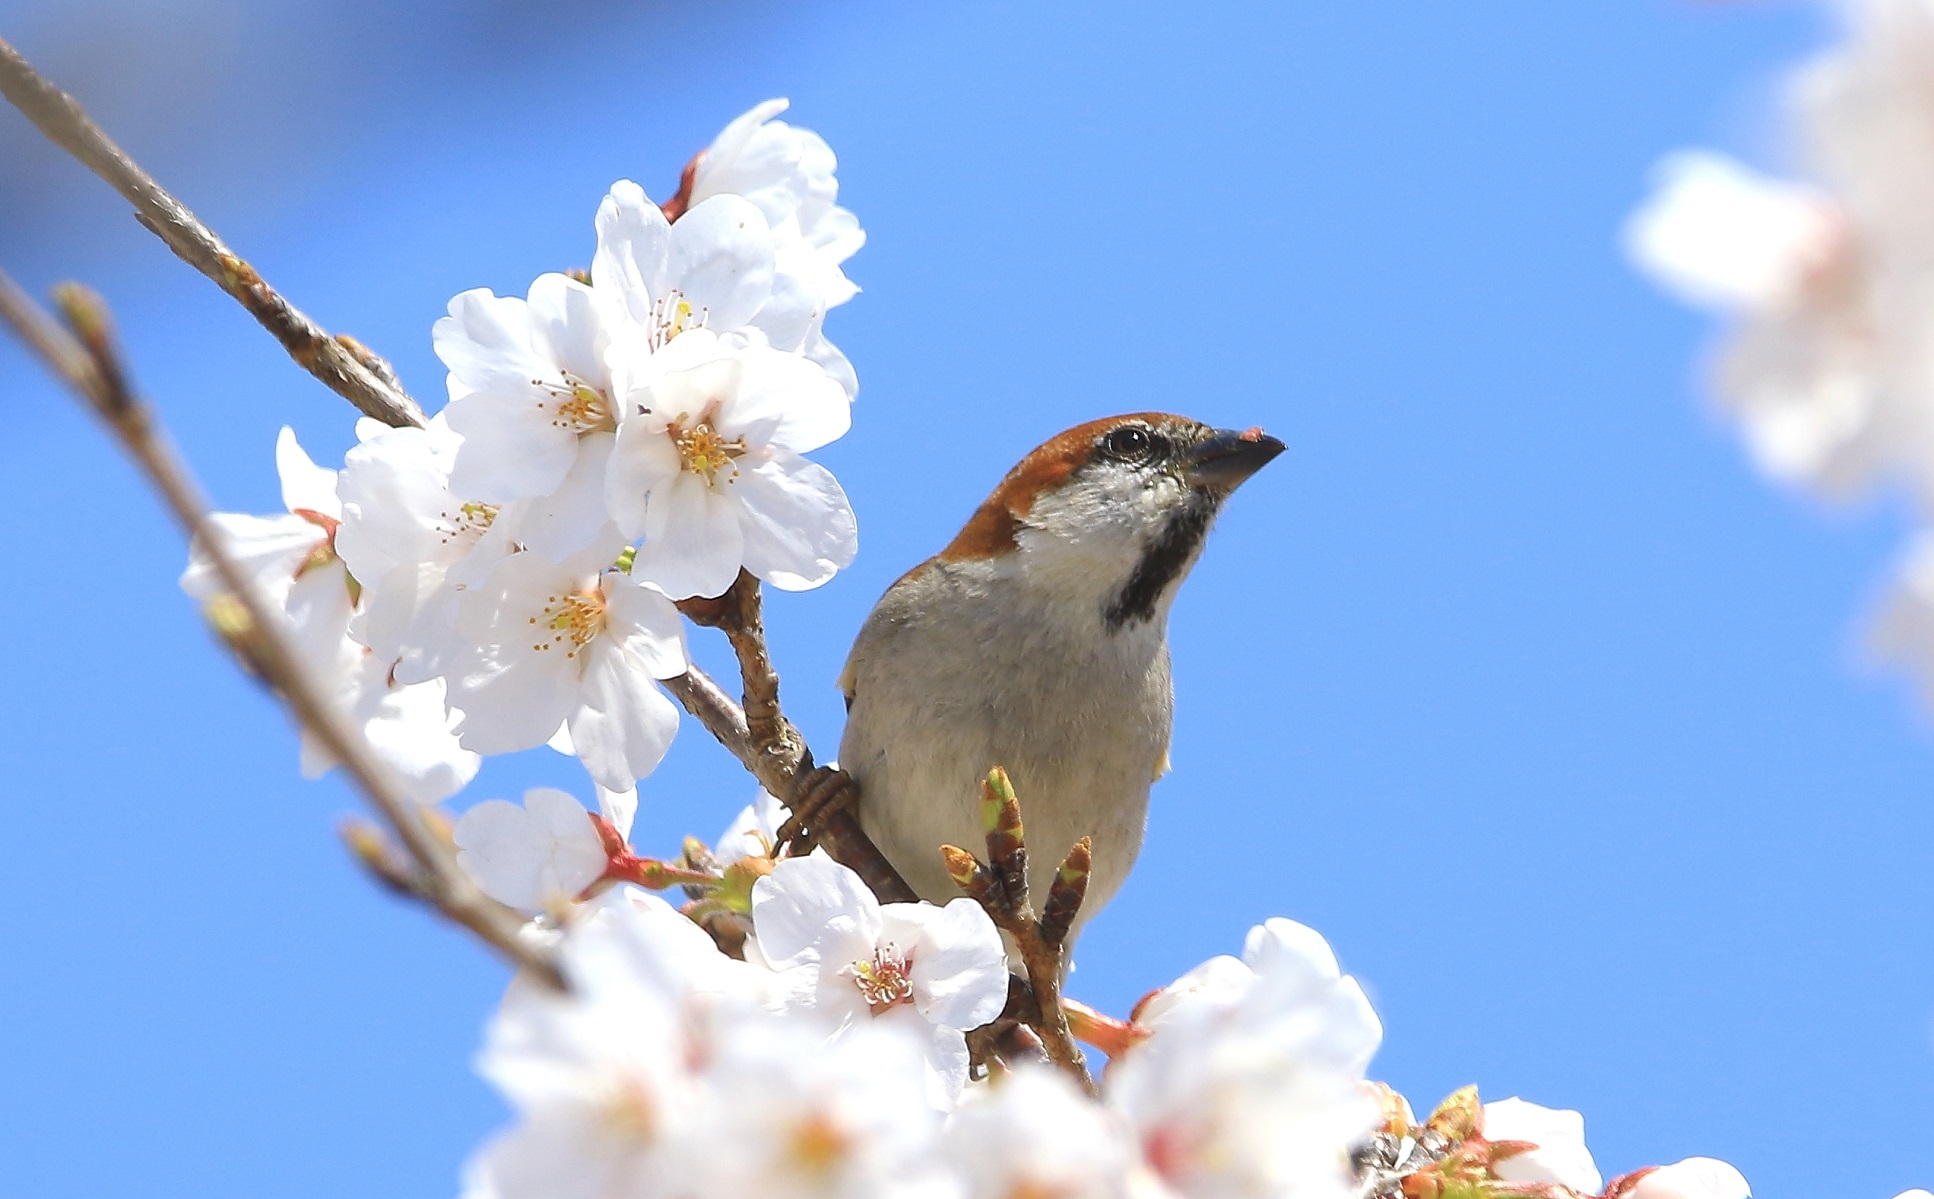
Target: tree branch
x,y
341,362
761,737
89,363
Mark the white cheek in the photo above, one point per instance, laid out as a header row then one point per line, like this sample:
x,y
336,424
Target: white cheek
x,y
1104,520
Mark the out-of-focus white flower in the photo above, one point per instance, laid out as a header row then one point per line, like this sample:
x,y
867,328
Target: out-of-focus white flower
x,y
1222,981
1916,1193
1032,1133
1290,964
1803,370
664,1073
708,469
1698,1178
1866,111
1828,366
788,173
1721,234
531,397
1560,1156
568,645
805,1119
933,971
293,561
1255,1090
607,1102
1903,631
753,831
531,857
629,937
407,725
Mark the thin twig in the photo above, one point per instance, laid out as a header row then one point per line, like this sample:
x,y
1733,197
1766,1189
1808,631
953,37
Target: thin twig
x,y
342,363
88,361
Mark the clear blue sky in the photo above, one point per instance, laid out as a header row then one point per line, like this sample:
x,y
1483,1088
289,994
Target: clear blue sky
x,y
1510,676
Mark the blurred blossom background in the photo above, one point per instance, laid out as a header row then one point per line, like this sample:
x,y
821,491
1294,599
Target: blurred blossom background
x,y
1514,677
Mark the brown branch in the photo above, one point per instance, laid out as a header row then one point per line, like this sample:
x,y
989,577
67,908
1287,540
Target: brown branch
x,y
1000,886
341,363
725,720
761,737
88,361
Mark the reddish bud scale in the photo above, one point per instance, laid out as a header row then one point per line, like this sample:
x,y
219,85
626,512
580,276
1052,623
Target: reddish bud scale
x,y
1069,888
968,874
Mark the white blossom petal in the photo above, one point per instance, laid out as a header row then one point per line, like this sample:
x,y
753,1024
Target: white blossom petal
x,y
797,526
1560,1156
623,724
693,544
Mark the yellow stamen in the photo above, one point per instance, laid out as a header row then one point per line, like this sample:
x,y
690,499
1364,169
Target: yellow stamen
x,y
576,405
703,451
673,314
468,523
573,620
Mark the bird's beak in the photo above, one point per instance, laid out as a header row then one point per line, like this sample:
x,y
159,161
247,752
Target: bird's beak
x,y
1226,457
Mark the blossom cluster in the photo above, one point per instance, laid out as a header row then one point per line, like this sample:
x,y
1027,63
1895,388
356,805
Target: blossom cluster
x,y
615,440
830,1060
828,1054
1828,279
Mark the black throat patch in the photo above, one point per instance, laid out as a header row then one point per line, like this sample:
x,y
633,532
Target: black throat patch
x,y
1166,558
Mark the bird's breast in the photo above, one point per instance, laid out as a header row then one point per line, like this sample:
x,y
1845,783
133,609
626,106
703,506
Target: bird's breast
x,y
955,674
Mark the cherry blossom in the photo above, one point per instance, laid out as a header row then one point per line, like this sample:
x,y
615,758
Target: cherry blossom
x,y
532,857
290,558
1256,1090
712,270
708,470
788,173
407,725
806,1119
1697,1178
1033,1133
415,545
607,1103
531,398
574,646
1560,1156
293,562
1827,280
935,971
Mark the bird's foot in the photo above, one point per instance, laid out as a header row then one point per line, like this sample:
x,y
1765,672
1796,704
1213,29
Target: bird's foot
x,y
818,794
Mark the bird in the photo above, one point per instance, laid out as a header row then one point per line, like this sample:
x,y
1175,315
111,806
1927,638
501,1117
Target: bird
x,y
1037,641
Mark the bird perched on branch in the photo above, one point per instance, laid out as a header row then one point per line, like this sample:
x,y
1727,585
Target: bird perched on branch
x,y
1038,641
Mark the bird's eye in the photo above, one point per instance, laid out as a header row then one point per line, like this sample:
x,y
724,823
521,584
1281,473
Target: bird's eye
x,y
1130,443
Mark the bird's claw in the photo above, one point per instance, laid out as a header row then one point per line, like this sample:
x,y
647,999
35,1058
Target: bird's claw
x,y
818,794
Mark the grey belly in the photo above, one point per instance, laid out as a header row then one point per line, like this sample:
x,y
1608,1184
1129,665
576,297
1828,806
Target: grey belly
x,y
1081,759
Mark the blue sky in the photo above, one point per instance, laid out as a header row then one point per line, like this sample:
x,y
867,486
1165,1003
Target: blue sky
x,y
1511,676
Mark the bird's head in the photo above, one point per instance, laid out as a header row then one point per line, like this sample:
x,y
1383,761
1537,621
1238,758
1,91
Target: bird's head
x,y
1113,511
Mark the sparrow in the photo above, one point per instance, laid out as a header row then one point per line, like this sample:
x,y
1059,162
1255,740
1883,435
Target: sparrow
x,y
1037,641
